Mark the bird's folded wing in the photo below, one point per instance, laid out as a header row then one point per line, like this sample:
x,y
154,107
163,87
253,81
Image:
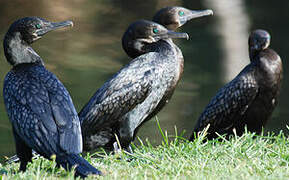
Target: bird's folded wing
x,y
125,90
42,113
230,102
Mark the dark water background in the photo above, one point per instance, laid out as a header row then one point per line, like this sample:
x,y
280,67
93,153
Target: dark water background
x,y
85,56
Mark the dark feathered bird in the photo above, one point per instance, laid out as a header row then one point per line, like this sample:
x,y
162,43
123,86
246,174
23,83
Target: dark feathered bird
x,y
134,45
39,107
250,98
133,93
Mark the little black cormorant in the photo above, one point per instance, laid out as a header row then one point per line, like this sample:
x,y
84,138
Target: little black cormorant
x,y
250,98
39,107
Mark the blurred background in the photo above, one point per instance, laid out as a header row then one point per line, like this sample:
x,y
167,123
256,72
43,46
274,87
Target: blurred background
x,y
84,57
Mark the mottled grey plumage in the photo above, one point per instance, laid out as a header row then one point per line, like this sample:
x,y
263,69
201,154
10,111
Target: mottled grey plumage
x,y
250,98
134,92
39,107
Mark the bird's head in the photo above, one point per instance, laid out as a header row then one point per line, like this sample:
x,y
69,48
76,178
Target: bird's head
x,y
31,29
259,40
142,33
174,17
24,32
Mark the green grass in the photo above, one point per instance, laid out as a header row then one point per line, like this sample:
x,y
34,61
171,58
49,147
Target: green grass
x,y
245,157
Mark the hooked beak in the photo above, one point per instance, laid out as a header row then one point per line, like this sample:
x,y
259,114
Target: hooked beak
x,y
195,14
173,35
53,26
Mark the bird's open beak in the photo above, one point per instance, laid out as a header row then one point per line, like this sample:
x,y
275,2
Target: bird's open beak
x,y
173,35
195,14
53,26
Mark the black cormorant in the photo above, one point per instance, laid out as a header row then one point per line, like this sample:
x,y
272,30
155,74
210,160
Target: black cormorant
x,y
39,107
250,98
133,93
127,127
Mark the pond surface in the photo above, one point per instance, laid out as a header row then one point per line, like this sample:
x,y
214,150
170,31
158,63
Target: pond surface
x,y
85,56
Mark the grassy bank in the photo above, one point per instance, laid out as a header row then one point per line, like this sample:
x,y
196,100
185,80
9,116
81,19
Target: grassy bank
x,y
246,157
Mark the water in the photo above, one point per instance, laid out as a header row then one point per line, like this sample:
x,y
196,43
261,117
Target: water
x,y
85,56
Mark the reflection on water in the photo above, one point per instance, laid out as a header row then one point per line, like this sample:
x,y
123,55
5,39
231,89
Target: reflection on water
x,y
89,53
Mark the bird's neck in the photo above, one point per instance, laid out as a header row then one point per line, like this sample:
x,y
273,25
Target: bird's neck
x,y
253,53
177,50
18,51
166,47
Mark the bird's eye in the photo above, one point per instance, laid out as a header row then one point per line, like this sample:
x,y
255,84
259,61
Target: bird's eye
x,y
155,30
38,26
181,13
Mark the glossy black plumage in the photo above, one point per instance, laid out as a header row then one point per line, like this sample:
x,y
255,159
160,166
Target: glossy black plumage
x,y
127,127
250,98
39,107
135,91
